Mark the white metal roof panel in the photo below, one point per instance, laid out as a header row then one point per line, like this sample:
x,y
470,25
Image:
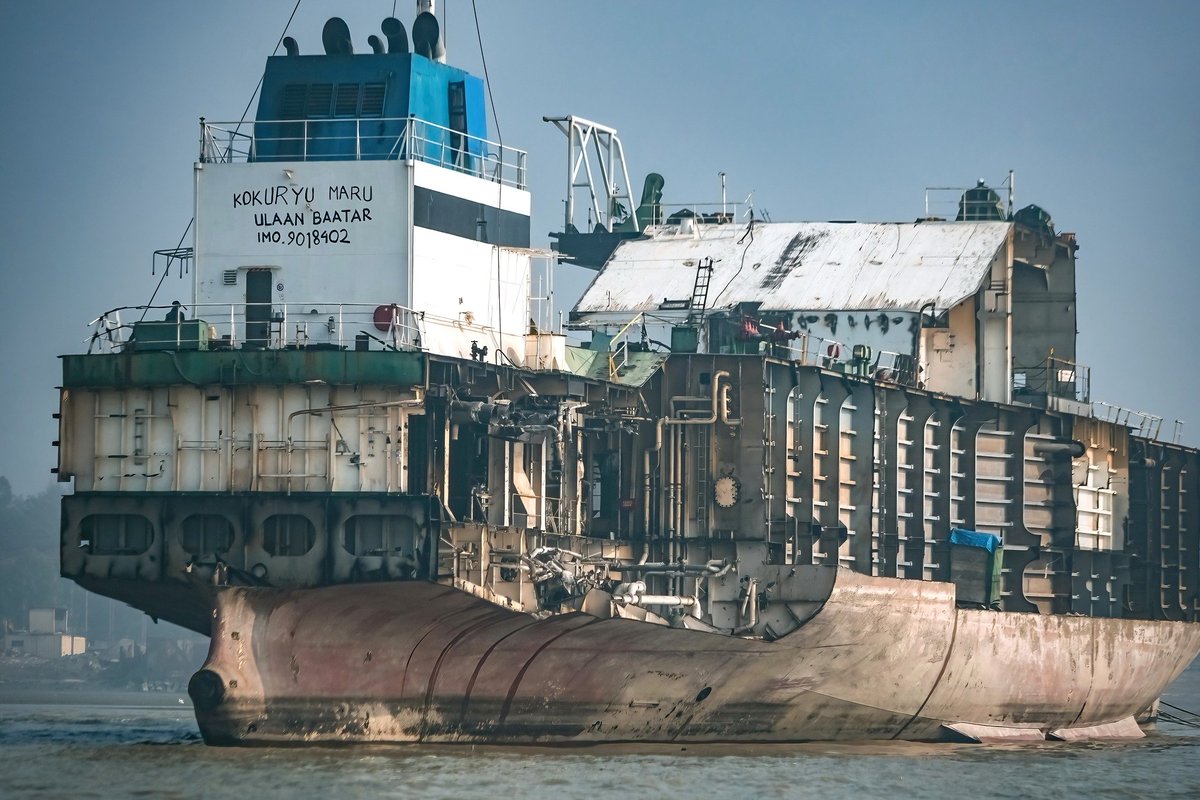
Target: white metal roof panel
x,y
802,266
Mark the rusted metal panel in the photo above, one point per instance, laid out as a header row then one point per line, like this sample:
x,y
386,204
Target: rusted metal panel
x,y
884,658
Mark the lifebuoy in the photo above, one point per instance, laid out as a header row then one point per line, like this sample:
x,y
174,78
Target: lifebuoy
x,y
386,317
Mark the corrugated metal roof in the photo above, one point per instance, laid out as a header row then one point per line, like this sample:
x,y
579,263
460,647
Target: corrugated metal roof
x,y
636,367
802,266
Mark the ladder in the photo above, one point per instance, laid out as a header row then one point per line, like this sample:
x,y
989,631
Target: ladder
x,y
700,452
699,300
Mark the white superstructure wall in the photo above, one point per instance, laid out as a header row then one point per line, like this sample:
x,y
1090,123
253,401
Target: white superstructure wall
x,y
320,247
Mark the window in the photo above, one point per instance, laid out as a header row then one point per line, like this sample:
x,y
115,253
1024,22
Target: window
x,y
115,534
207,534
288,535
380,534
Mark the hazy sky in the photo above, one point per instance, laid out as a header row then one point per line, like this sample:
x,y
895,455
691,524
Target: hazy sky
x,y
832,110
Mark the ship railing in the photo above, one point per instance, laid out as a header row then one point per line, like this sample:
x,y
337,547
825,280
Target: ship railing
x,y
370,139
258,326
1053,378
1147,426
618,355
838,356
704,213
531,510
950,202
560,516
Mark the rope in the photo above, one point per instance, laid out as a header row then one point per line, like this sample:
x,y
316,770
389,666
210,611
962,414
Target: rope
x,y
500,191
1193,722
260,77
166,271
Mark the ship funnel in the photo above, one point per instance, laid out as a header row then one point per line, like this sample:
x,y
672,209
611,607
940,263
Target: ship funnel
x,y
376,44
336,38
427,37
290,46
397,37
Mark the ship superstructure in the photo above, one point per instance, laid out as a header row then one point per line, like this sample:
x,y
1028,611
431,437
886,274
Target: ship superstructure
x,y
806,480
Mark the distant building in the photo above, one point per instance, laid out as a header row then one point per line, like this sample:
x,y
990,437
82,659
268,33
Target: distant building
x,y
46,636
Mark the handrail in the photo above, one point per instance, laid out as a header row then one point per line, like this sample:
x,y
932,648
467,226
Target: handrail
x,y
362,139
622,350
267,326
1055,377
1148,426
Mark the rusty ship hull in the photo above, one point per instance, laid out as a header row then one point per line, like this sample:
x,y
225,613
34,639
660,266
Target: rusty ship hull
x,y
881,659
768,482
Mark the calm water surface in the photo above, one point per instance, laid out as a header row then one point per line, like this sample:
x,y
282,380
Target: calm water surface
x,y
86,745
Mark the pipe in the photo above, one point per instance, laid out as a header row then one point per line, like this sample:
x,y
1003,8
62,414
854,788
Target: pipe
x,y
397,37
681,512
716,384
655,600
749,609
645,507
732,422
715,568
1072,448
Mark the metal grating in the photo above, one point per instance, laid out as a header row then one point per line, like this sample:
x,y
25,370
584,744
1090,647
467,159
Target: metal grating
x,y
320,97
346,102
372,100
293,101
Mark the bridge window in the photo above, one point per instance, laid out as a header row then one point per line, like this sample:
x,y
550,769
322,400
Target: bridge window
x,y
207,534
115,534
288,535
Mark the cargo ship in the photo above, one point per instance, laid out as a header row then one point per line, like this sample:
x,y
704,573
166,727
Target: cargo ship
x,y
770,482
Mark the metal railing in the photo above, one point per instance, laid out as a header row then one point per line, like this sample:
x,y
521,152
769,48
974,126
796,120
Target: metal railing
x,y
372,139
859,360
1054,377
705,213
258,326
618,355
1147,426
801,347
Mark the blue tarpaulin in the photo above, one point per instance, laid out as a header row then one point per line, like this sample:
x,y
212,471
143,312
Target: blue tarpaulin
x,y
987,541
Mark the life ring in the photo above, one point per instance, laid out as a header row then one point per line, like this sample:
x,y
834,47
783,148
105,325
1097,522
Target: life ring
x,y
386,317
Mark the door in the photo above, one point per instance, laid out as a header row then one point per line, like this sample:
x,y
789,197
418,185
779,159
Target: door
x,y
258,308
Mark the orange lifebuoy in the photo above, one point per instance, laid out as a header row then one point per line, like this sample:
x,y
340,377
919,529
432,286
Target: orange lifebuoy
x,y
386,317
